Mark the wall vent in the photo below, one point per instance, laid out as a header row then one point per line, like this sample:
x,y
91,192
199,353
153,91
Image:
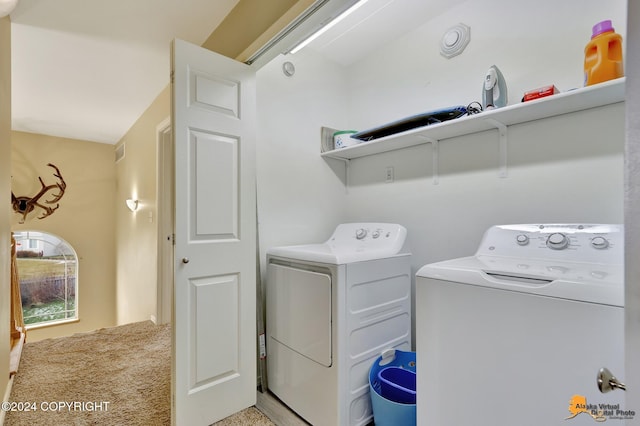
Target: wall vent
x,y
119,152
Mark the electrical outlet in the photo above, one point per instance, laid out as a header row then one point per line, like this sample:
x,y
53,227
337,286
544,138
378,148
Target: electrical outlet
x,y
389,175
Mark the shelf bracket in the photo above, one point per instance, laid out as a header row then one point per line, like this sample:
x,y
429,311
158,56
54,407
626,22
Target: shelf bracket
x,y
435,157
502,159
347,172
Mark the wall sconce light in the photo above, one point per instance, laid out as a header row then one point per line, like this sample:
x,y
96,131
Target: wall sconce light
x,y
132,204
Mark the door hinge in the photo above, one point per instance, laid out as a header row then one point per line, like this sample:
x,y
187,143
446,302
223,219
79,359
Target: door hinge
x,y
263,347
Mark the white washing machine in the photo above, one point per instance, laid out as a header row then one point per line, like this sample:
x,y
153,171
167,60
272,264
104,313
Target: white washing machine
x,y
517,333
332,308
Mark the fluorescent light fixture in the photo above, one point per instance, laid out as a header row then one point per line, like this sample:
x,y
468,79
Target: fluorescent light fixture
x,y
132,204
326,27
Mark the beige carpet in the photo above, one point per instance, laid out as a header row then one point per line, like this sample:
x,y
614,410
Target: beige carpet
x,y
250,416
82,380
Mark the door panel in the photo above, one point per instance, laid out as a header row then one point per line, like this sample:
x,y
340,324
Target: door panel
x,y
214,339
220,95
215,185
214,300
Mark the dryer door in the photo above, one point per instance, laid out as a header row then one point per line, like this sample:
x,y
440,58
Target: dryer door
x,y
299,311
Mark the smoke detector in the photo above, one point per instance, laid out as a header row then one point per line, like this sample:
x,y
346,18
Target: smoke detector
x,y
454,40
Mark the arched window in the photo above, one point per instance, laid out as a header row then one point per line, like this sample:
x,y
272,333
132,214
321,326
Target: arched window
x,y
48,272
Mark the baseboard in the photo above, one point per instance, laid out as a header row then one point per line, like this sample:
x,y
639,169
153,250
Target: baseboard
x,y
7,394
277,412
15,354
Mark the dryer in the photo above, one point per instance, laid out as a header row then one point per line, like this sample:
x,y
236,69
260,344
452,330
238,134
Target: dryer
x,y
517,333
331,310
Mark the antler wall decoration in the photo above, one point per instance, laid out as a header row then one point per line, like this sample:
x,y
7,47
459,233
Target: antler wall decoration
x,y
25,205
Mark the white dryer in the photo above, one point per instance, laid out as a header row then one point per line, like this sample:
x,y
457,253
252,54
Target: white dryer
x,y
517,333
331,309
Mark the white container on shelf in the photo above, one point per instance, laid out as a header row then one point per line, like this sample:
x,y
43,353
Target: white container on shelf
x,y
343,139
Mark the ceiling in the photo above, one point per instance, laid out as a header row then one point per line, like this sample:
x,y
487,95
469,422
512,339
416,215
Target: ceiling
x,y
87,69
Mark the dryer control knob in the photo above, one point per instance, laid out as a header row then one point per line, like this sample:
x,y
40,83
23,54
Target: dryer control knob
x,y
599,243
522,239
361,233
557,241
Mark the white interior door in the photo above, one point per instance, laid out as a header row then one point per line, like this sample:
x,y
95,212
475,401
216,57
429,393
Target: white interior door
x,y
631,375
214,337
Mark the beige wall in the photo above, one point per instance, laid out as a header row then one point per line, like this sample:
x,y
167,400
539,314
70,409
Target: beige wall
x,y
84,219
5,179
256,18
136,243
94,204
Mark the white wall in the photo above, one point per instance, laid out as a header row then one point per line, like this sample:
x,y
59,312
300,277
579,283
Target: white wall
x,y
565,169
301,198
568,169
534,44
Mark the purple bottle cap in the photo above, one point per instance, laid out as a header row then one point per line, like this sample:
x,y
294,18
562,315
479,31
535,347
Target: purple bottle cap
x,y
601,27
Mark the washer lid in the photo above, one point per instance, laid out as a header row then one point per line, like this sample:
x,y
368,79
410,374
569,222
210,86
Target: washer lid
x,y
350,242
580,281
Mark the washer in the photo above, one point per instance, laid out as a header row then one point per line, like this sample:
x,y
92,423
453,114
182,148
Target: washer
x,y
332,308
512,334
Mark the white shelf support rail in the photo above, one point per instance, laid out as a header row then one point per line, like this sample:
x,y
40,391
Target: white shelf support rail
x,y
326,145
502,159
435,157
347,172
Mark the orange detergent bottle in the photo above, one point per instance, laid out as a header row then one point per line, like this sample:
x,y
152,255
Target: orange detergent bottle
x,y
603,55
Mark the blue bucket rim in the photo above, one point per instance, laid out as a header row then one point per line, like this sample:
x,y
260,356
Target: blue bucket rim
x,y
393,384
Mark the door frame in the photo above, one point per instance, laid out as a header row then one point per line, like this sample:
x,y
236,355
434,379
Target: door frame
x,y
164,197
631,210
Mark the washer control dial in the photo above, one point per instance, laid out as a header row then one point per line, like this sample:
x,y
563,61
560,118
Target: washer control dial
x,y
557,241
361,233
599,243
522,239
376,233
